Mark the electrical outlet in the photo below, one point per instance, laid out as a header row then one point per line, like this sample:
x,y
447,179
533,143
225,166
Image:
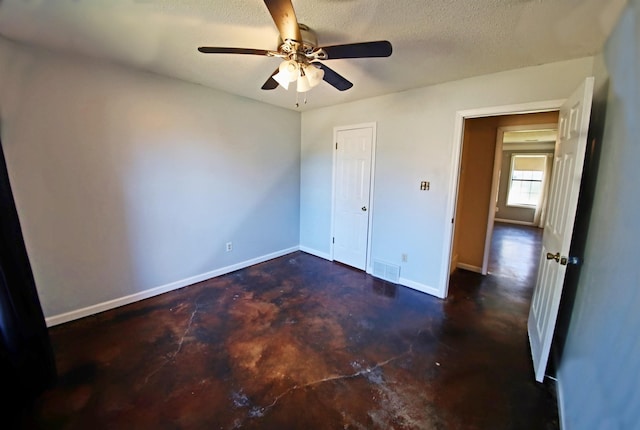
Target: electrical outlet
x,y
229,247
405,258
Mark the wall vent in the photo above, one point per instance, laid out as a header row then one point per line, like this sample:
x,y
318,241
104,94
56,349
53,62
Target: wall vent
x,y
386,271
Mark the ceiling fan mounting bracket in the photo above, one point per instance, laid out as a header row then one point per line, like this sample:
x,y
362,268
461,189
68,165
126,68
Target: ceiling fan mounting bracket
x,y
308,43
305,51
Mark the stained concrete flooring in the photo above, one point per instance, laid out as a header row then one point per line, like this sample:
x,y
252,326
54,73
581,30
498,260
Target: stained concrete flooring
x,y
302,343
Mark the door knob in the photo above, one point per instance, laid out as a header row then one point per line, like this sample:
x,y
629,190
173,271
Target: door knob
x,y
364,208
555,256
563,260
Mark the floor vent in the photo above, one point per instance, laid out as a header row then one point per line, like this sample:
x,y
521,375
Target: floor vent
x,y
386,271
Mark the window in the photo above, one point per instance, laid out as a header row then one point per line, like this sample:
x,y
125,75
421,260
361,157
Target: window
x,y
527,175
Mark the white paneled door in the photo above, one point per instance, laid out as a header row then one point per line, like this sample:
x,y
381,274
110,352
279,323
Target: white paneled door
x,y
558,228
352,187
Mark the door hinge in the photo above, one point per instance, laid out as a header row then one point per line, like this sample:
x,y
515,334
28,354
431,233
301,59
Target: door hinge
x,y
333,240
336,145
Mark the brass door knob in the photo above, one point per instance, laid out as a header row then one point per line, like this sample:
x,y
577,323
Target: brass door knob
x,y
555,256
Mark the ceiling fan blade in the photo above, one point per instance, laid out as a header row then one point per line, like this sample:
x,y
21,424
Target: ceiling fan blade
x,y
217,50
381,48
333,78
271,84
285,19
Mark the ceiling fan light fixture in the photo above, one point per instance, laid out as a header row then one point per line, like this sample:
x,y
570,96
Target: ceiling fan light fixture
x,y
310,76
303,84
290,68
282,79
314,74
288,71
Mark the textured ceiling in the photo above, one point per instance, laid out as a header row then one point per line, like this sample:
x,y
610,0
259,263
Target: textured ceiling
x,y
433,41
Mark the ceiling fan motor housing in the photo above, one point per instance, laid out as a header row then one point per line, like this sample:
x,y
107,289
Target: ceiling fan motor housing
x,y
309,42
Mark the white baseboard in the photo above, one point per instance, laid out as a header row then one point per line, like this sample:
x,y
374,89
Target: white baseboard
x,y
315,252
421,287
132,298
469,267
111,304
402,281
560,397
512,221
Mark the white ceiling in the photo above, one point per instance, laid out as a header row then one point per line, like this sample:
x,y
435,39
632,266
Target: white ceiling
x,y
433,41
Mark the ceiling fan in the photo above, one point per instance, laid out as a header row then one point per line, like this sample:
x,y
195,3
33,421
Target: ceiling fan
x,y
301,55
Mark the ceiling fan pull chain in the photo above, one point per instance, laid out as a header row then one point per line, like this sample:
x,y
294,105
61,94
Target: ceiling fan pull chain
x,y
297,104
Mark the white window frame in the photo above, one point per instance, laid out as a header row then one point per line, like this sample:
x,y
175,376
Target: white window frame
x,y
542,181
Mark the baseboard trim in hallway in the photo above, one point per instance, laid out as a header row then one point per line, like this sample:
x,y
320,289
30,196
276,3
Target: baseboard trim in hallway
x,y
469,267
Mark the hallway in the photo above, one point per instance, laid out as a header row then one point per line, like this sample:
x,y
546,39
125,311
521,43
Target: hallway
x,y
515,250
302,343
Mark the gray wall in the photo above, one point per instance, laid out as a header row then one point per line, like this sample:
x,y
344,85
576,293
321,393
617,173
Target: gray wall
x,y
127,182
415,143
599,373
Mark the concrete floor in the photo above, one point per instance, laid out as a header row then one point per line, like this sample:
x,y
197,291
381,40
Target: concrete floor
x,y
303,343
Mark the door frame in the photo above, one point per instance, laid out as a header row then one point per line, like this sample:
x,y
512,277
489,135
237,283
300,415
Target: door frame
x,y
336,130
497,164
454,180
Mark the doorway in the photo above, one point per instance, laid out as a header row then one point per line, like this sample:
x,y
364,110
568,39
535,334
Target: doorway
x,y
573,130
480,179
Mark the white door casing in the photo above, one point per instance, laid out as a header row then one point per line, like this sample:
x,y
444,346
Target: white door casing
x,y
456,152
352,194
493,199
558,227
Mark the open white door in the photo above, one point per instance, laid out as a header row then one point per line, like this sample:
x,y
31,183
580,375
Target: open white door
x,y
352,184
563,199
